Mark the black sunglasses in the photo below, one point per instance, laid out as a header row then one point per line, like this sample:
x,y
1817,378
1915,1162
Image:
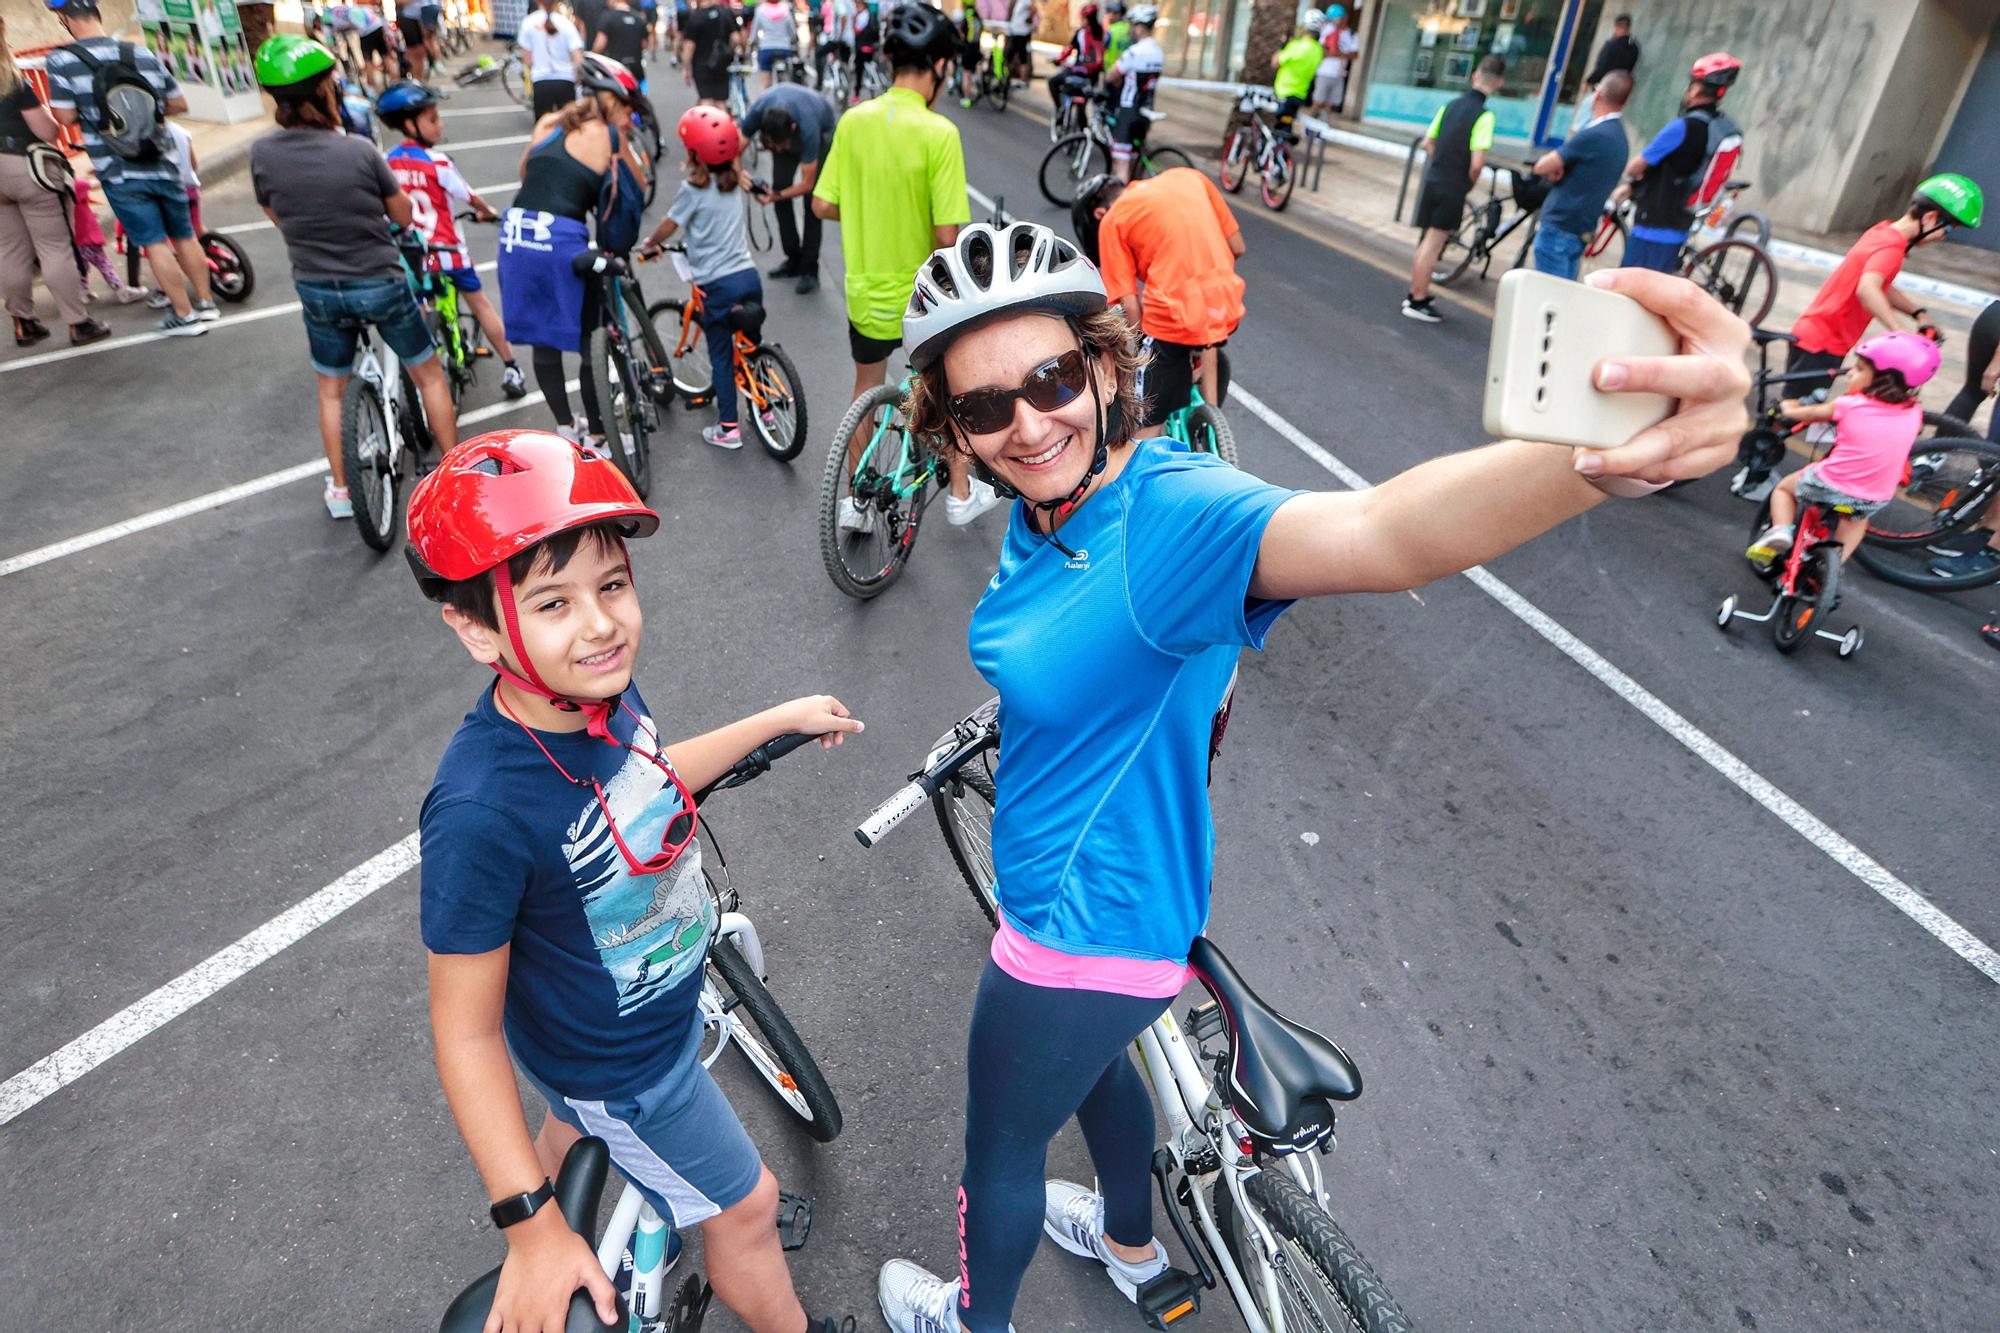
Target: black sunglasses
x,y
1049,387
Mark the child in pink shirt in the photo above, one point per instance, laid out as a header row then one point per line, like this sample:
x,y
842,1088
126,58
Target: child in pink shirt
x,y
1875,424
92,252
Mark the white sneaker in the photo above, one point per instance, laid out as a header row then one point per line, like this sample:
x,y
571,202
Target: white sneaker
x,y
338,503
127,295
174,326
572,433
913,1301
158,301
959,512
207,311
854,519
1074,1218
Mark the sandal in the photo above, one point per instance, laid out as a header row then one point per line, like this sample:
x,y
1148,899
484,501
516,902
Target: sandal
x,y
29,331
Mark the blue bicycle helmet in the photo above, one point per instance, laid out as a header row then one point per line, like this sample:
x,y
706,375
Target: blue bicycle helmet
x,y
403,99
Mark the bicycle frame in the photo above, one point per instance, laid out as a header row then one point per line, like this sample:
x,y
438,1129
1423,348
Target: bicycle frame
x,y
903,481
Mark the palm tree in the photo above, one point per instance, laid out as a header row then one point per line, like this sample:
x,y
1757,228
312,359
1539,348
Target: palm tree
x,y
1271,26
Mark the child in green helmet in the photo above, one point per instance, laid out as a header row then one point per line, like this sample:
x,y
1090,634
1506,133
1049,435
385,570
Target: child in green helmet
x,y
328,192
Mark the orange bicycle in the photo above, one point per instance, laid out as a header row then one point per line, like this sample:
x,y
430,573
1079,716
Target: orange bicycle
x,y
766,380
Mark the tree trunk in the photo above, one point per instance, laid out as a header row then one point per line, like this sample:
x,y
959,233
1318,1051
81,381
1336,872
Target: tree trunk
x,y
1271,24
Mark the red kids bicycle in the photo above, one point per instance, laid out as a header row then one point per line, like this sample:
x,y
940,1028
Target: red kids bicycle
x,y
1805,585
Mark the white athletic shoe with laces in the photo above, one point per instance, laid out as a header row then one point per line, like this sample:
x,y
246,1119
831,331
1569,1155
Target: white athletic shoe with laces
x,y
914,1301
979,499
1074,1218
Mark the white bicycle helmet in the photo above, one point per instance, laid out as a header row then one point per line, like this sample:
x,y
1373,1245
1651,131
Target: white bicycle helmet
x,y
987,272
1143,15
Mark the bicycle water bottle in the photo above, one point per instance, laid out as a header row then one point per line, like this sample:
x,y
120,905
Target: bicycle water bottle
x,y
649,1255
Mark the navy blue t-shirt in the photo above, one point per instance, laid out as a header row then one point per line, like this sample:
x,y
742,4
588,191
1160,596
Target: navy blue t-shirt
x,y
812,112
605,975
1594,159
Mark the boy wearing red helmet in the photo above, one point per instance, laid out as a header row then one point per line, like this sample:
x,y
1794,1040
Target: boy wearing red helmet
x,y
1665,173
563,903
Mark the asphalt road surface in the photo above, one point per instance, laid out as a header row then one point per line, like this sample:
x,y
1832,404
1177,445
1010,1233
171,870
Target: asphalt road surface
x,y
1641,1051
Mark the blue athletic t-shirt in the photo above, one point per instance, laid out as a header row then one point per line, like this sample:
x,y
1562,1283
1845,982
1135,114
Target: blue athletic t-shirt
x,y
1110,664
605,974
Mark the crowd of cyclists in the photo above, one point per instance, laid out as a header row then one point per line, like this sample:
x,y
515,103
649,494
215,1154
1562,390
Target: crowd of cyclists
x,y
1043,368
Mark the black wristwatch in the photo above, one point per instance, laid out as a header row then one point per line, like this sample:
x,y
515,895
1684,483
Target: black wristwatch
x,y
521,1207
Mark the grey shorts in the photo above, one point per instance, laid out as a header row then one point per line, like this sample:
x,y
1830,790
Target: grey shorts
x,y
1812,491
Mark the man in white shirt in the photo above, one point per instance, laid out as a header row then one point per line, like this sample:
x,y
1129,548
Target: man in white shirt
x,y
1021,27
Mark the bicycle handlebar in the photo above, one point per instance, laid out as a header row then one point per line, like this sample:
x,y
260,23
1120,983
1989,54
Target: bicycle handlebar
x,y
755,764
923,785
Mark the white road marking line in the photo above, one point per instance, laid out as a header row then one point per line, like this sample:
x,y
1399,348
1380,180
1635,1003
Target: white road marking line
x,y
266,225
500,142
155,335
1704,747
42,555
60,1068
508,110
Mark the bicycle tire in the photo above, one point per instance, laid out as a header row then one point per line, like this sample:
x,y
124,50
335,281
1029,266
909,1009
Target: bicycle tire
x,y
964,809
369,463
1738,274
1074,160
1320,1256
649,350
1460,248
646,138
808,1097
1276,197
786,435
515,80
1798,615
231,276
619,389
1208,433
1236,155
1953,474
1752,221
689,372
883,552
1165,158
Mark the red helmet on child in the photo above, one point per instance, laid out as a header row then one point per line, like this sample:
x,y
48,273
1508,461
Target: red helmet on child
x,y
1911,355
710,135
502,493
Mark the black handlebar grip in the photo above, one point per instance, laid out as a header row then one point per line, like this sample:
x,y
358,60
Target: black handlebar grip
x,y
783,745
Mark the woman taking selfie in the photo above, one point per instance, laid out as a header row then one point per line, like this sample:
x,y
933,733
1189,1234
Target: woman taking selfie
x,y
1158,567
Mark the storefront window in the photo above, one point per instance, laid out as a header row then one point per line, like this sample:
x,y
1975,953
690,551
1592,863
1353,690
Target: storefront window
x,y
1190,33
1428,49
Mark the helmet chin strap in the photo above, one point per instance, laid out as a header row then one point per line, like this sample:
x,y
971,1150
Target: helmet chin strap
x,y
597,712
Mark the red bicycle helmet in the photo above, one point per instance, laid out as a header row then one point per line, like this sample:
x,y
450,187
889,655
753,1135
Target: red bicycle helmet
x,y
602,74
495,496
710,134
1717,69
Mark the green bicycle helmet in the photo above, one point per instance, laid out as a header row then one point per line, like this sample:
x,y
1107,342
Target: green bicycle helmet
x,y
1958,197
288,58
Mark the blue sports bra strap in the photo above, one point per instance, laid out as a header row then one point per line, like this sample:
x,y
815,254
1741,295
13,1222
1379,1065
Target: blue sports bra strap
x,y
555,137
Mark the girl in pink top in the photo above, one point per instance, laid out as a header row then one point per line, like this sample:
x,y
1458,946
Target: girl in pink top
x,y
93,252
1875,423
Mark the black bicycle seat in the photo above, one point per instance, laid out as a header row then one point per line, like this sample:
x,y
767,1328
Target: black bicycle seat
x,y
1281,1073
595,260
746,318
579,1185
1772,336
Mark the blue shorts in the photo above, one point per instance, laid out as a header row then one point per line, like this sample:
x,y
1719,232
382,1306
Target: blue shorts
x,y
336,311
465,279
768,57
151,209
678,1141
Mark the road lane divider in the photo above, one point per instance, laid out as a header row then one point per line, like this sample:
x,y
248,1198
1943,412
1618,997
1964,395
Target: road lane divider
x,y
1704,747
85,541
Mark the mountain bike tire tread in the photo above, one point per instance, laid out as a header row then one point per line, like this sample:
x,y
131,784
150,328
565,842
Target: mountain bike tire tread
x,y
942,803
1295,1215
831,491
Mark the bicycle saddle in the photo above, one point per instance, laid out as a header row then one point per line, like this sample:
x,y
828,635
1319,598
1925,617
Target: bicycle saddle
x,y
595,260
1771,336
1281,1073
746,318
578,1187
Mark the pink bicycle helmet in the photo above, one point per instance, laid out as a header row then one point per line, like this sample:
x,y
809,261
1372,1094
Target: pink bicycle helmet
x,y
1911,355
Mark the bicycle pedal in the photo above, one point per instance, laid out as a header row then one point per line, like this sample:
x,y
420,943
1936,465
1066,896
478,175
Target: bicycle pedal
x,y
795,1220
1169,1298
479,353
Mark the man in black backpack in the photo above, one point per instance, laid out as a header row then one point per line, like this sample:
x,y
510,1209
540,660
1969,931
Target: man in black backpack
x,y
119,95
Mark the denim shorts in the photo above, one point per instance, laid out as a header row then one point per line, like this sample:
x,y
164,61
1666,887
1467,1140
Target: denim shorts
x,y
151,209
769,56
678,1141
335,312
1813,491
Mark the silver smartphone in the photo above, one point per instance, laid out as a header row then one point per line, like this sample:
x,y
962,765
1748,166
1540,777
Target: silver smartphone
x,y
1549,334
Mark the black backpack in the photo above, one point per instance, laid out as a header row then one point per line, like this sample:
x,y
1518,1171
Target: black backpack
x,y
130,118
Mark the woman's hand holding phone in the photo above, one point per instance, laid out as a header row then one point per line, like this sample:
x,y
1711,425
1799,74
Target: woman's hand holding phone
x,y
1707,378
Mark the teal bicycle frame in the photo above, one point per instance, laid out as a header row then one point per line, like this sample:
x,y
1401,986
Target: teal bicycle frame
x,y
904,479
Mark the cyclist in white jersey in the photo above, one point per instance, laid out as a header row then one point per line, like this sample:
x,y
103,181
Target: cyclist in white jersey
x,y
1132,80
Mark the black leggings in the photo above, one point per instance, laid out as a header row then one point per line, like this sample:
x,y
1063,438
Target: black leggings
x,y
1979,348
548,364
1036,1057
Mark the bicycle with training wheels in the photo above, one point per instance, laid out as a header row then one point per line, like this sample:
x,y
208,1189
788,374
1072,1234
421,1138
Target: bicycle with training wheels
x,y
737,1009
625,363
1735,269
1805,585
1076,158
1252,140
768,384
1246,1093
1485,227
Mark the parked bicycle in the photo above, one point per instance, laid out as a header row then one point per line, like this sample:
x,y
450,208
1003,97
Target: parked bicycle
x,y
737,1009
1724,253
771,395
1246,1093
1253,140
1075,158
1485,227
511,73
